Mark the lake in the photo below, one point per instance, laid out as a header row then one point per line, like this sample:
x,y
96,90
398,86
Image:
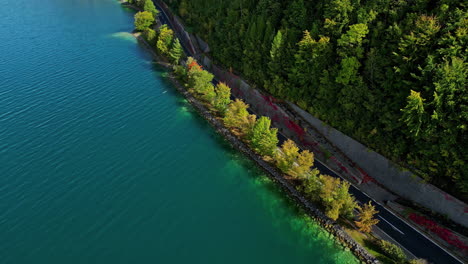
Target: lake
x,y
101,161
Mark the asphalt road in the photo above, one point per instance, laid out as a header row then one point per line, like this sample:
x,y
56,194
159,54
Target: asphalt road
x,y
404,234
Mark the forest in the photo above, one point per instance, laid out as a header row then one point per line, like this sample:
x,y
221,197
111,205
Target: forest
x,y
389,73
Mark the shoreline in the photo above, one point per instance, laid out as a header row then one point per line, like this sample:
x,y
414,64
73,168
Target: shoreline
x,y
337,232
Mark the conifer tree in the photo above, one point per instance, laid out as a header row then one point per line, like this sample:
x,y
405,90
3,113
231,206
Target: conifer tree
x,y
413,113
176,51
276,45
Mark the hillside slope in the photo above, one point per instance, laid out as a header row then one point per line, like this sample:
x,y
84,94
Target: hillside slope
x,y
391,74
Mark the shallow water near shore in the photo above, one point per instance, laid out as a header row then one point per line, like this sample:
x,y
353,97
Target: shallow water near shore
x,y
101,161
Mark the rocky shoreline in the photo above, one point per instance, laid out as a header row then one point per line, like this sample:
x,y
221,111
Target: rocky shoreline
x,y
331,226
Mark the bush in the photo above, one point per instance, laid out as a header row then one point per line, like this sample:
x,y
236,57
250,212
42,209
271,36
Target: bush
x,y
150,35
418,261
180,72
392,251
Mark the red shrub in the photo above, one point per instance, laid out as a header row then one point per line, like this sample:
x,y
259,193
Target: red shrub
x,y
443,233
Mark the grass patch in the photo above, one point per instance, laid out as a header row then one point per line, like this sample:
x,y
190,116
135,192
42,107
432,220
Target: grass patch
x,y
369,245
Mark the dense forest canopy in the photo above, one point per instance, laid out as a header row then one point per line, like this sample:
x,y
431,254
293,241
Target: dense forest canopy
x,y
390,73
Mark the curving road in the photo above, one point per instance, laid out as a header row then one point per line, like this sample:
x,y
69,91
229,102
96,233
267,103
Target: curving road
x,y
408,237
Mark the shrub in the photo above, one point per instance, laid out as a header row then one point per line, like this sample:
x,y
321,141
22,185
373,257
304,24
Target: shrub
x,y
392,251
200,81
150,35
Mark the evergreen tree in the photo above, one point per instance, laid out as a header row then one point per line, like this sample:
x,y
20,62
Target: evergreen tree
x,y
176,51
413,113
276,45
354,68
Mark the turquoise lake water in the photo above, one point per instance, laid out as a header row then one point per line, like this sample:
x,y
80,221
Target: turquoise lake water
x,y
101,161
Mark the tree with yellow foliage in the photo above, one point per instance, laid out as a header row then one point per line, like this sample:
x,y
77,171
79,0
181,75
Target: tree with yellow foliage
x,y
238,117
292,162
366,218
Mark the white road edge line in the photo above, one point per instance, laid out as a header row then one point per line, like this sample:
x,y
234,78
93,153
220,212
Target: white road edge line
x,y
403,220
394,227
396,242
373,199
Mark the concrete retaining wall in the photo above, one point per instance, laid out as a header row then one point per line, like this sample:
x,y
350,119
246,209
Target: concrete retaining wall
x,y
403,183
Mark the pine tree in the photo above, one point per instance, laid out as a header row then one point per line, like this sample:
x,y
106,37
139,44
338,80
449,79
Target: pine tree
x,y
413,113
176,52
366,218
276,45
